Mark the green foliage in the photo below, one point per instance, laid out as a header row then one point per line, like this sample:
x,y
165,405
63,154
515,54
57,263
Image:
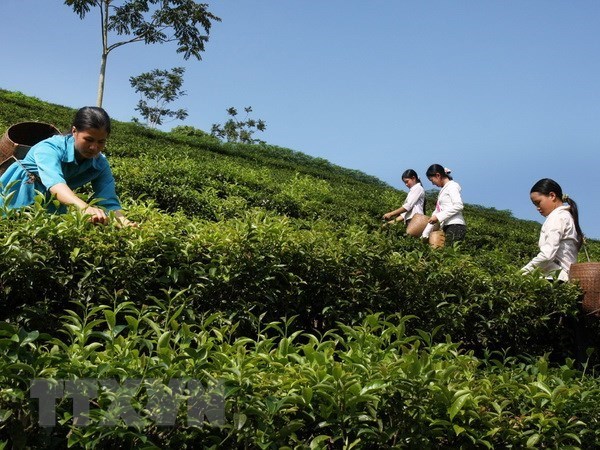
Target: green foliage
x,y
234,130
370,384
187,130
150,22
268,271
265,263
160,87
18,107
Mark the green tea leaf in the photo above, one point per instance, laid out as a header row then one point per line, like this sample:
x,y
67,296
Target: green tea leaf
x,y
457,405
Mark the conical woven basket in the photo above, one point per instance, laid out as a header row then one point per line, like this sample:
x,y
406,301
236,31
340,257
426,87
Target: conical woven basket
x,y
20,137
417,224
587,274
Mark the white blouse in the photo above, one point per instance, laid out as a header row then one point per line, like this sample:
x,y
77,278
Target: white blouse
x,y
559,245
449,206
414,202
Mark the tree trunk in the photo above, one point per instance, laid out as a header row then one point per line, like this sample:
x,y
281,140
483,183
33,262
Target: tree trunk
x,y
101,80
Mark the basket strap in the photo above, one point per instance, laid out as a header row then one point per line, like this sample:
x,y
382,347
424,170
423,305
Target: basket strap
x,y
583,244
32,176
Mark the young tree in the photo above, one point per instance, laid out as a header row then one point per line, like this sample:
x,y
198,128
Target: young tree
x,y
133,21
160,87
239,130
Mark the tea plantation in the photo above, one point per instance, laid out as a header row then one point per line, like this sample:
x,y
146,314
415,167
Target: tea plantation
x,y
262,279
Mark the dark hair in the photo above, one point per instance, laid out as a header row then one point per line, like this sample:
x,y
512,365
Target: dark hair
x,y
545,186
437,168
91,117
410,173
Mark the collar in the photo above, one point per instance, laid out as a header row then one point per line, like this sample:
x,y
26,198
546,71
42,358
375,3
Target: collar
x,y
70,144
560,208
445,186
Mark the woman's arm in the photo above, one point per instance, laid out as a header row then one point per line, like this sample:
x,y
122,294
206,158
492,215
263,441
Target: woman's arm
x,y
394,213
550,240
66,196
416,194
411,200
105,192
451,203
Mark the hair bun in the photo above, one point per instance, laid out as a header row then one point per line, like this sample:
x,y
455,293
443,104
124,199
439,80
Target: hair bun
x,y
447,170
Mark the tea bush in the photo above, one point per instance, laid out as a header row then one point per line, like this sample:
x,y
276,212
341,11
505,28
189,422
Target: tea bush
x,y
371,384
265,263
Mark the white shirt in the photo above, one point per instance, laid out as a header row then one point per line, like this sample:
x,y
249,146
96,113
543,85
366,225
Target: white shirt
x,y
414,202
449,206
559,244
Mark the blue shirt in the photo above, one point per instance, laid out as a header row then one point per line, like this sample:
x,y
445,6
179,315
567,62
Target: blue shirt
x,y
53,161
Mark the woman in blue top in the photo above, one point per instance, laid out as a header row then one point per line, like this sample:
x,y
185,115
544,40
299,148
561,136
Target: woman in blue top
x,y
60,164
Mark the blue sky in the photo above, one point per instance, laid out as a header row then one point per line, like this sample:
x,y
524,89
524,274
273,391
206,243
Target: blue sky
x,y
502,92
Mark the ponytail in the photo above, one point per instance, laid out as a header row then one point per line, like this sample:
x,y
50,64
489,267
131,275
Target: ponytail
x,y
575,213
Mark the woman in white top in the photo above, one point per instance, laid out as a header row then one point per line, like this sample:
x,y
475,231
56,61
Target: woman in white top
x,y
561,236
414,202
449,205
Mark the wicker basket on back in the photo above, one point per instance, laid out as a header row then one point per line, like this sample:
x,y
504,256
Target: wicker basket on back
x,y
19,138
587,274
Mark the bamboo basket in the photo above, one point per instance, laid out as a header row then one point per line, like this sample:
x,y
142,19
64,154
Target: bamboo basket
x,y
19,138
417,224
437,239
587,274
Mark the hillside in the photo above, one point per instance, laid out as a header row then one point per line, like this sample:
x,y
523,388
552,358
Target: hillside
x,y
268,271
207,179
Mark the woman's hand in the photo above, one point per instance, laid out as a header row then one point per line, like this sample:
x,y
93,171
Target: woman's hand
x,y
122,221
433,219
125,222
392,214
97,215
